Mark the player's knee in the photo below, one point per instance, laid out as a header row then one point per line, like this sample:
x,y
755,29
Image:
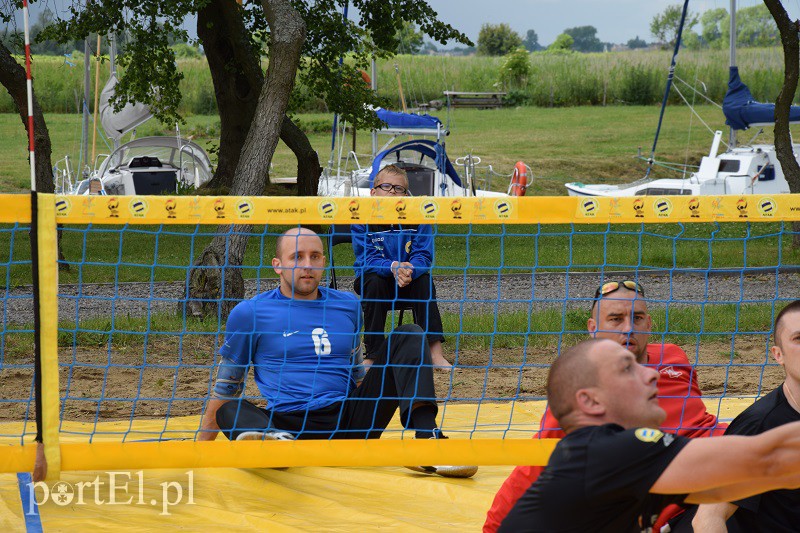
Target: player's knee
x,y
409,329
407,344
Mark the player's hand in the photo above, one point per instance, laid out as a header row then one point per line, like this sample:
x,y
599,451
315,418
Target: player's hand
x,y
404,275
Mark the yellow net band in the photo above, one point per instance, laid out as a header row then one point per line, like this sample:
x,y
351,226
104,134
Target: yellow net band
x,y
314,210
265,454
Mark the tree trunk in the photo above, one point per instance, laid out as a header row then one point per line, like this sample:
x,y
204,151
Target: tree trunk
x,y
235,69
308,168
237,77
226,250
12,77
791,64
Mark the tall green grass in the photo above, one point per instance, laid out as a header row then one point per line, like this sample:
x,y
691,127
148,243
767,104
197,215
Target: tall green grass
x,y
633,77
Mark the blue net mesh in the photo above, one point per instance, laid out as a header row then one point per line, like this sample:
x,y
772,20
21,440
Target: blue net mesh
x,y
135,345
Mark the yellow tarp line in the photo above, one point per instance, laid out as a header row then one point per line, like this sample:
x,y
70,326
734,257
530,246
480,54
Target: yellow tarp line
x,y
508,210
48,323
267,454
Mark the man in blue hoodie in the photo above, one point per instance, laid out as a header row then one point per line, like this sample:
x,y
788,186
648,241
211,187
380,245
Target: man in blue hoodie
x,y
393,263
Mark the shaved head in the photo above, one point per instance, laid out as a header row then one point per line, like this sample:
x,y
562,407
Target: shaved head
x,y
291,232
572,370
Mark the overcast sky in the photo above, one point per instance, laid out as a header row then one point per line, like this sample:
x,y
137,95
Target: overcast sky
x,y
616,21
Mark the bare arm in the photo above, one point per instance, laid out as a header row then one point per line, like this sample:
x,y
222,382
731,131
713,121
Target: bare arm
x,y
711,518
737,491
708,464
209,427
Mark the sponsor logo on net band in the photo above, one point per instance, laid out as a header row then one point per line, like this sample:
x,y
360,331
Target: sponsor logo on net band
x,y
112,488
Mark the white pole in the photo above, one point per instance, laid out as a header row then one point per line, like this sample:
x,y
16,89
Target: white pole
x,y
29,85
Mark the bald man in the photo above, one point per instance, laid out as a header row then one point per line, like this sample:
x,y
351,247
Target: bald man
x,y
615,472
302,341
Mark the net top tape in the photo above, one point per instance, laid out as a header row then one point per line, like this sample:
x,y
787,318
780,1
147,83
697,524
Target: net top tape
x,y
418,210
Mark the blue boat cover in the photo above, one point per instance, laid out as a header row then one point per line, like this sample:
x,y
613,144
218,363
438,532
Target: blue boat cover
x,y
395,119
741,110
426,147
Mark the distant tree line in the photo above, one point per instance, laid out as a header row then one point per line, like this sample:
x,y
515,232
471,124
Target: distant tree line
x,y
754,27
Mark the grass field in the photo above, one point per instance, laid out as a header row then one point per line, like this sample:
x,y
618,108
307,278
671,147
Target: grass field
x,y
589,144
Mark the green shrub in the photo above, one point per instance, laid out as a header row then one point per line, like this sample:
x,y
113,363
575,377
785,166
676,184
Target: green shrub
x,y
516,69
639,86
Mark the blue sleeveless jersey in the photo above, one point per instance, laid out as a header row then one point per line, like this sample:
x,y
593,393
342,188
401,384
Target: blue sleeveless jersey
x,y
301,350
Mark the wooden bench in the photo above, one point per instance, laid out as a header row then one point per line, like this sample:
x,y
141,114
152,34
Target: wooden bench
x,y
476,100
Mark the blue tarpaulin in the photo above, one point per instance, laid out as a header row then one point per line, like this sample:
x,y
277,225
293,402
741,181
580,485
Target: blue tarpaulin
x,y
741,110
395,119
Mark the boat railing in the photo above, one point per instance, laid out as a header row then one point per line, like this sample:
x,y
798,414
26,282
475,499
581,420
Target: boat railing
x,y
189,149
354,156
99,161
62,176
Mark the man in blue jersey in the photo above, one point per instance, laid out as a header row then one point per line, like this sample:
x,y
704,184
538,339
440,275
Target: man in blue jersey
x,y
302,340
393,263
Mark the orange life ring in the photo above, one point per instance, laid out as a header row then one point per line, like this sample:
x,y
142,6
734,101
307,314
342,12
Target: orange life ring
x,y
519,180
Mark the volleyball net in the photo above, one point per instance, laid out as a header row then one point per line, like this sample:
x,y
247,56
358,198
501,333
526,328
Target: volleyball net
x,y
131,328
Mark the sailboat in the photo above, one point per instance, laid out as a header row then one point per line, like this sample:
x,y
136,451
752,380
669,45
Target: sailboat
x,y
416,143
746,169
141,166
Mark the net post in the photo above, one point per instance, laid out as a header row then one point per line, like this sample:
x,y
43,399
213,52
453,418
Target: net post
x,y
45,273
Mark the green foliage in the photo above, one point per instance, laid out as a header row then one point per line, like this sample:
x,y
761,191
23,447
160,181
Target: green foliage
x,y
636,42
516,69
756,27
531,42
562,42
664,25
585,39
410,39
186,51
639,86
572,79
715,27
150,72
497,40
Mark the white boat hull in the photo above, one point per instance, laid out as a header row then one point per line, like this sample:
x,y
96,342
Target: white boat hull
x,y
742,170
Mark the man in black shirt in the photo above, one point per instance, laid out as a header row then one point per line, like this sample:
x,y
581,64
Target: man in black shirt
x,y
778,510
613,473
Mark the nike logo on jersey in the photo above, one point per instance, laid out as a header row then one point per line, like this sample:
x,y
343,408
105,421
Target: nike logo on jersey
x,y
671,372
290,333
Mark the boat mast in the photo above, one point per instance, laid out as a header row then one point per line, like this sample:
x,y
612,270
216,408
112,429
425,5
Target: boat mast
x,y
732,46
670,76
112,59
85,111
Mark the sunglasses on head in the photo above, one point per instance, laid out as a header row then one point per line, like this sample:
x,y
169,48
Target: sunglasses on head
x,y
612,286
388,187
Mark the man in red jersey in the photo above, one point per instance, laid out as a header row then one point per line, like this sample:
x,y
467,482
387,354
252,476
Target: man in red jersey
x,y
619,313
